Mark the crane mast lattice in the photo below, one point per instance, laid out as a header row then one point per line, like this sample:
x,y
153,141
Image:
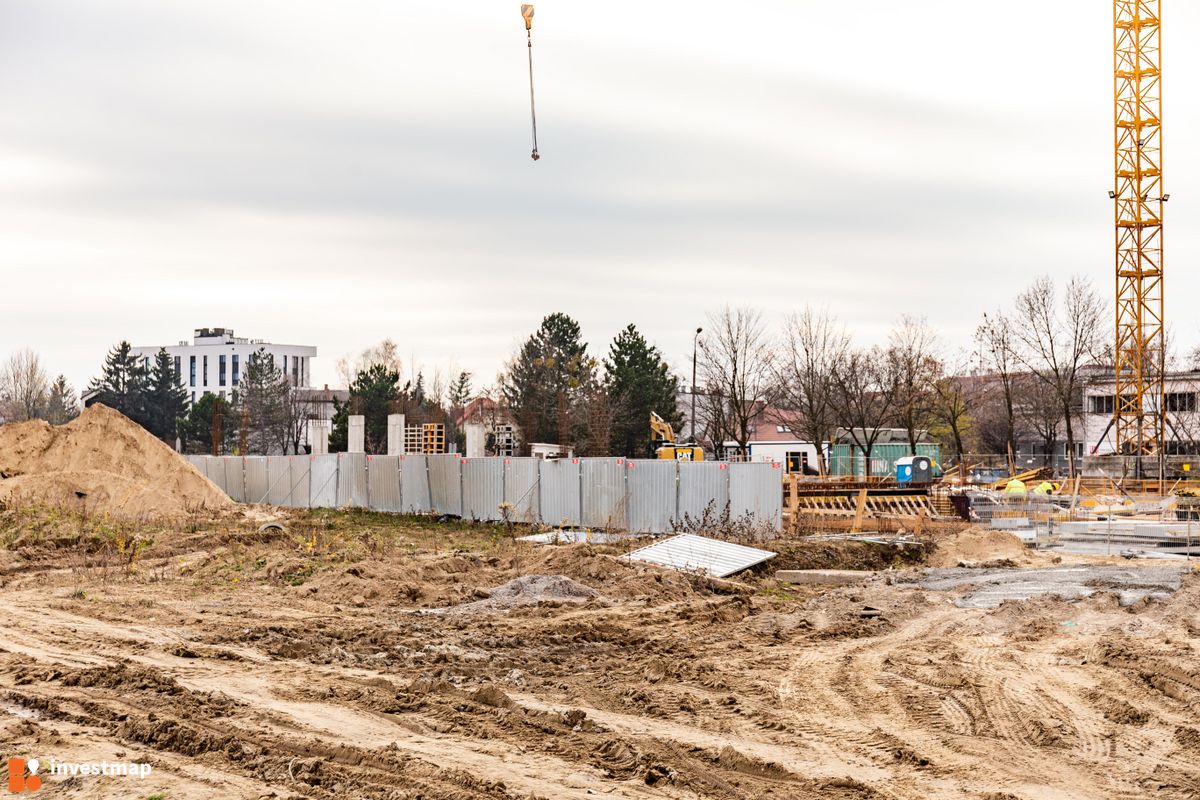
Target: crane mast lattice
x,y
1138,199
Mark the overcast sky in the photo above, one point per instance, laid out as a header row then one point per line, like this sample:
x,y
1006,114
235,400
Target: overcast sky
x,y
336,173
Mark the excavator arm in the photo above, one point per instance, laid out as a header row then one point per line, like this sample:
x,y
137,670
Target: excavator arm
x,y
661,429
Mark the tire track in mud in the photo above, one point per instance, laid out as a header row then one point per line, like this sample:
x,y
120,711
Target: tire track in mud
x,y
269,724
977,690
671,695
309,728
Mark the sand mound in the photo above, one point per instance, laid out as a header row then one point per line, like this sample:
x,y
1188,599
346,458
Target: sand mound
x,y
101,462
977,546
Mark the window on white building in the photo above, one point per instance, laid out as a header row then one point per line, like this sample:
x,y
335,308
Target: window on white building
x,y
237,377
221,371
1181,401
192,380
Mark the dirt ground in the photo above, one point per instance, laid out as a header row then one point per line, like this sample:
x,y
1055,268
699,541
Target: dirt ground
x,y
356,655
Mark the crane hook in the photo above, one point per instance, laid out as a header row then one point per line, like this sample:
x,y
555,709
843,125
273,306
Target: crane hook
x,y
527,14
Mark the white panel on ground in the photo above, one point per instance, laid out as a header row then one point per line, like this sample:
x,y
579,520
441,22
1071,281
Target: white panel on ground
x,y
690,553
603,481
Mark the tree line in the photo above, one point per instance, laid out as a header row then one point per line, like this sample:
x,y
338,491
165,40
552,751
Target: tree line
x,y
1020,376
553,388
1022,373
28,392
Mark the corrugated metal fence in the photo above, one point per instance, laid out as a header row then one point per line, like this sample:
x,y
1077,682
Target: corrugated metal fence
x,y
645,496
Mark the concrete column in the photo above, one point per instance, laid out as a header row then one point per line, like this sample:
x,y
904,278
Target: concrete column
x,y
356,440
395,434
475,439
318,431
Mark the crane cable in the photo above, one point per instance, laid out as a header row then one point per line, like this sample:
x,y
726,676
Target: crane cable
x,y
527,13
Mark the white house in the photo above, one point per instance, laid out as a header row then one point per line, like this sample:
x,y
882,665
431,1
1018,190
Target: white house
x,y
213,361
772,441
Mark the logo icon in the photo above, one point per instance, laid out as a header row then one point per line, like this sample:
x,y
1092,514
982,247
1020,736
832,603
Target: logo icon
x,y
18,781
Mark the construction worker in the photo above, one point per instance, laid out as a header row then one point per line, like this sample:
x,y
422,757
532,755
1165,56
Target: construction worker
x,y
1015,486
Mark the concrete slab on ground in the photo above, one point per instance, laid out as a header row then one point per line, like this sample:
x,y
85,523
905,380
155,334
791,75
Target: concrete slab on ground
x,y
822,577
988,588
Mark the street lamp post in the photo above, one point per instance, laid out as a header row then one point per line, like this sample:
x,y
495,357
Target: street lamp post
x,y
695,342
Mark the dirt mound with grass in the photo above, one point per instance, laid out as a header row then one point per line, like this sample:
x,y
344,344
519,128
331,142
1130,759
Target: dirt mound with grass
x,y
101,462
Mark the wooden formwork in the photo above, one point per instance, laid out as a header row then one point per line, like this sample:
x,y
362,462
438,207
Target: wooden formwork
x,y
815,523
849,506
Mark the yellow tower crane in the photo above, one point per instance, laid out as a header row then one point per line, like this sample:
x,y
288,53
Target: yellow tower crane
x,y
1138,197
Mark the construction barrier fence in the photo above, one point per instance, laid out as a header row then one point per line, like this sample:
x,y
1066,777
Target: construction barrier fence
x,y
637,495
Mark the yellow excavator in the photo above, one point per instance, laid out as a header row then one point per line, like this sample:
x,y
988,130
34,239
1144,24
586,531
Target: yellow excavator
x,y
663,442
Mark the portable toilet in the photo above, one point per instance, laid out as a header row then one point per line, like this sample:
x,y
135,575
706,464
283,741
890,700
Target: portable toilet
x,y
914,469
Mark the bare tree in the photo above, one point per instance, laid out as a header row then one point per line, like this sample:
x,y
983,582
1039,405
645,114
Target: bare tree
x,y
1039,412
1000,356
24,386
737,365
386,352
953,398
813,342
296,409
864,398
1059,341
912,347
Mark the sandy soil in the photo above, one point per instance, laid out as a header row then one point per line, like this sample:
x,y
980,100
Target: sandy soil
x,y
101,462
321,662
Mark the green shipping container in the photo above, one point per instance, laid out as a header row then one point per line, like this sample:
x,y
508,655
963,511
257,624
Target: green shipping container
x,y
847,460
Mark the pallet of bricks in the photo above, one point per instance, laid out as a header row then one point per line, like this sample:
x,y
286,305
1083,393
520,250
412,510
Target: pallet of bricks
x,y
842,506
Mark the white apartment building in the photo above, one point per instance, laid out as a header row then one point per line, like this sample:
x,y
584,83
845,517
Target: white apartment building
x,y
1182,399
214,360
